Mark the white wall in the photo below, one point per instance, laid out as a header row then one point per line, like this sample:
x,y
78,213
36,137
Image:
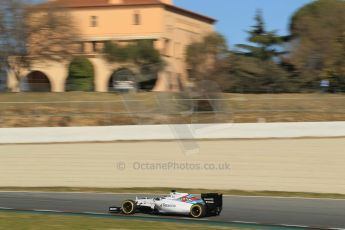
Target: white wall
x,y
296,165
172,132
277,159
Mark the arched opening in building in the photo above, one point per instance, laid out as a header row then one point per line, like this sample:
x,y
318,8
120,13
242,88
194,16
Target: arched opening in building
x,y
148,77
80,75
123,80
36,81
3,80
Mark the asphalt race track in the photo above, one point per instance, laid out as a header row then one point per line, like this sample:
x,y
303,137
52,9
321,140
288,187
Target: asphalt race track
x,y
318,213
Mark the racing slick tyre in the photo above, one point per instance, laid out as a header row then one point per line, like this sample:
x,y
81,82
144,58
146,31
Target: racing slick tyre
x,y
197,211
128,207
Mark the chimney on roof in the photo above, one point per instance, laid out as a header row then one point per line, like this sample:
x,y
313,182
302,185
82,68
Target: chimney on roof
x,y
170,2
115,2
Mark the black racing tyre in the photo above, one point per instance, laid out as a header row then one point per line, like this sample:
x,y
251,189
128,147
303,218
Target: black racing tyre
x,y
197,211
128,207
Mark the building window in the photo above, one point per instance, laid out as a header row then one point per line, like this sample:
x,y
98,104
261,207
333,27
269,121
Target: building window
x,y
93,21
82,47
136,19
94,46
166,48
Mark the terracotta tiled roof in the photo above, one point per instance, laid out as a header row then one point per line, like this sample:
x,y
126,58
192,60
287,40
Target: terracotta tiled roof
x,y
90,3
106,3
141,1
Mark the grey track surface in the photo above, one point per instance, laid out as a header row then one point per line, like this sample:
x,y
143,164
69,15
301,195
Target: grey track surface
x,y
323,213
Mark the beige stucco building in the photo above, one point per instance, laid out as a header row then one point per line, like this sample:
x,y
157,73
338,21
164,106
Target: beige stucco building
x,y
169,27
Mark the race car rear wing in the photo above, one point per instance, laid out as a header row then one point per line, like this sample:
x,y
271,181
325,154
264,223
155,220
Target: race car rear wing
x,y
213,203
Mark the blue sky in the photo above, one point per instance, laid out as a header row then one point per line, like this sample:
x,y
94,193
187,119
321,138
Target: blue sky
x,y
236,16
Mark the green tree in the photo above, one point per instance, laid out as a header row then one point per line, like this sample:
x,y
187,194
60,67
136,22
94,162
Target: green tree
x,y
318,43
116,53
252,75
81,74
206,57
144,53
266,44
255,67
139,53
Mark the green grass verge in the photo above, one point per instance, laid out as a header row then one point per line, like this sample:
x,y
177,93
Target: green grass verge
x,y
20,221
167,190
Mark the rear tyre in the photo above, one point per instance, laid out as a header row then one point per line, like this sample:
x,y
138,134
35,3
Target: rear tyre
x,y
128,207
197,211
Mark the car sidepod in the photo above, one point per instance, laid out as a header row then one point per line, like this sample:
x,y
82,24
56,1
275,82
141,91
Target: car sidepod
x,y
172,206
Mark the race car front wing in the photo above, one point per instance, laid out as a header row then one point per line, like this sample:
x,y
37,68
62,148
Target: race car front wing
x,y
115,210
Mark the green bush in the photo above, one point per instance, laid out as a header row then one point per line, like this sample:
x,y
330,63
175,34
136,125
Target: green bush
x,y
81,75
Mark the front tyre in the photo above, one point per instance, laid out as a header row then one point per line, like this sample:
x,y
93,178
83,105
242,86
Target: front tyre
x,y
197,211
128,207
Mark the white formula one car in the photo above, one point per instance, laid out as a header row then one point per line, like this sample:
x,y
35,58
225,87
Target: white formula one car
x,y
210,204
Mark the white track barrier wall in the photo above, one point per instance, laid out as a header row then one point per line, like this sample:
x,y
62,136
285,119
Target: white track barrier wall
x,y
297,165
171,132
287,162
